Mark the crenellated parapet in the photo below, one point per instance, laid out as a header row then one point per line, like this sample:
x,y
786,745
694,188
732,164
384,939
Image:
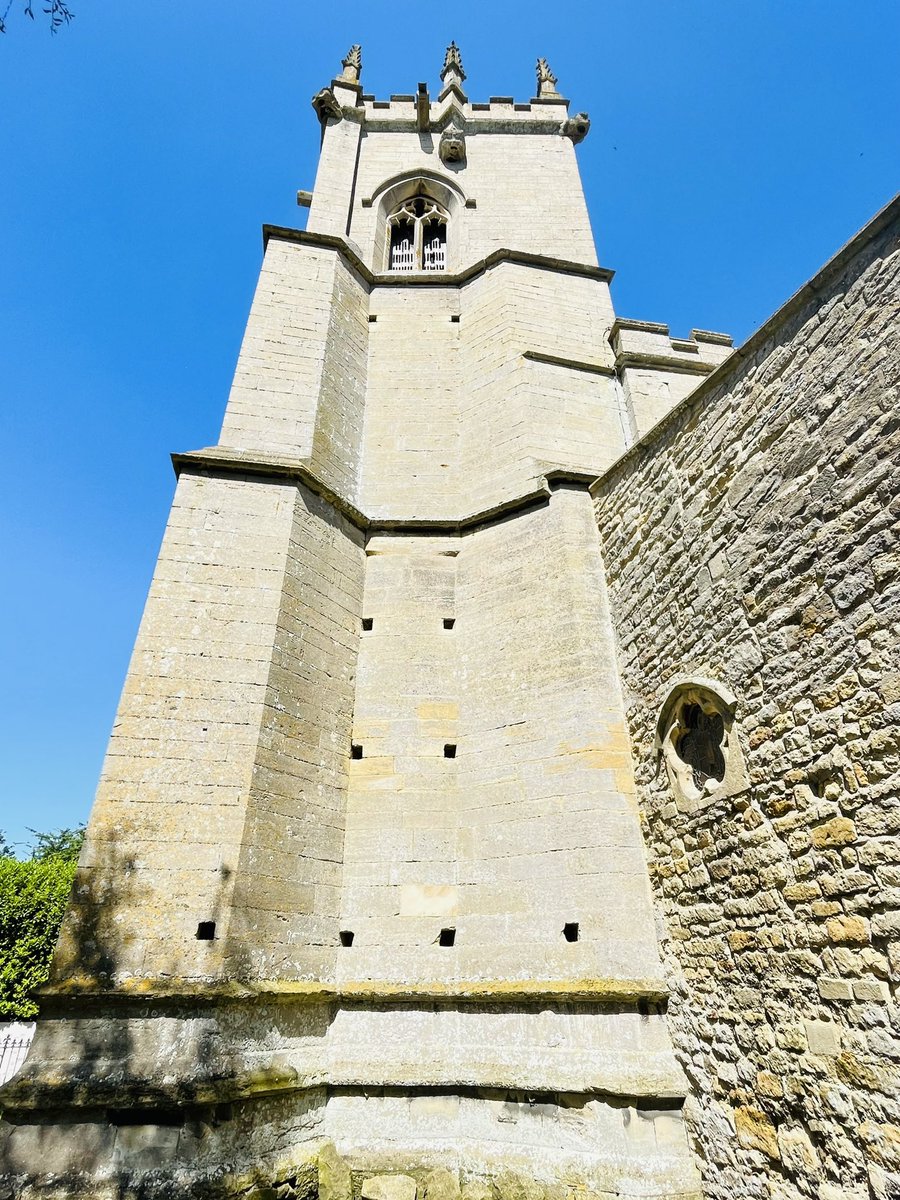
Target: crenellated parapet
x,y
649,344
545,112
658,370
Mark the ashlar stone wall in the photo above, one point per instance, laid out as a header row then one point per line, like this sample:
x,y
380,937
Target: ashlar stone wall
x,y
752,538
493,791
524,190
223,791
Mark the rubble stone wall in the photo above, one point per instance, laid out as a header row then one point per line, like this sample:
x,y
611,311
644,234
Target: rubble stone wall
x,y
752,539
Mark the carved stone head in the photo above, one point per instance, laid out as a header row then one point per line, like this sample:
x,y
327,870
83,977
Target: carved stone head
x,y
577,127
452,147
326,105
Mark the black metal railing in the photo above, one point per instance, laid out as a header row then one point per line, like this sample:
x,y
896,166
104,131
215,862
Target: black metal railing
x,y
13,1051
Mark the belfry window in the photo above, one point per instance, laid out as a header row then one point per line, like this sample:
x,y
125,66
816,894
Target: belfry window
x,y
403,246
417,231
434,244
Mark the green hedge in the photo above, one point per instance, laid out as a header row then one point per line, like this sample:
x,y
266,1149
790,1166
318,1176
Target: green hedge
x,y
33,899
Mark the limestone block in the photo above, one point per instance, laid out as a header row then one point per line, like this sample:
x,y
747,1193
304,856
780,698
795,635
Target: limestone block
x,y
823,1037
839,831
875,990
835,989
755,1131
511,1185
800,892
388,1187
882,1142
335,1181
769,1084
797,1151
853,931
885,1185
440,1183
833,1191
477,1189
428,900
41,1148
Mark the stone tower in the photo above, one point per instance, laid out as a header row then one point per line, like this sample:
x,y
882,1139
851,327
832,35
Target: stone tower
x,y
365,865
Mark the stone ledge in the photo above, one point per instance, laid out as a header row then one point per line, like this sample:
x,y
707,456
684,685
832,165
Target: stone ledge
x,y
52,1092
598,991
330,241
555,360
636,1078
215,460
663,362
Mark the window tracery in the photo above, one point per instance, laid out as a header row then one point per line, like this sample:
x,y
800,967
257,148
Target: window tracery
x,y
698,741
417,235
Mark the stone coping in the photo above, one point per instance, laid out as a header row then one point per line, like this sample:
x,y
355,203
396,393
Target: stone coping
x,y
217,460
343,247
665,362
573,364
612,991
697,335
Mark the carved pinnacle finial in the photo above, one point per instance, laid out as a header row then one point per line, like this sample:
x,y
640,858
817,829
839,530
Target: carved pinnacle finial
x,y
453,63
352,64
546,80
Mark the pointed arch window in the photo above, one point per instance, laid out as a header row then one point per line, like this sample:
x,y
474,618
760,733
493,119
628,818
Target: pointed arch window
x,y
417,236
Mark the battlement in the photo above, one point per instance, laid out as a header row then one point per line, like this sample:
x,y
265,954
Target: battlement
x,y
501,114
649,344
657,370
440,148
545,112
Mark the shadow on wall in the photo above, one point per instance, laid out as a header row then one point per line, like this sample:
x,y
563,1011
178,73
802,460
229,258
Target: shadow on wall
x,y
96,1039
94,947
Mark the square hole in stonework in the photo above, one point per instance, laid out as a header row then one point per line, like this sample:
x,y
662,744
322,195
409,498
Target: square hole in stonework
x,y
570,931
367,623
446,937
355,751
346,936
450,750
455,318
206,931
373,317
449,622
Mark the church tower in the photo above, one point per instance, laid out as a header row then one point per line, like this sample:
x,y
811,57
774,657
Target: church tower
x,y
364,888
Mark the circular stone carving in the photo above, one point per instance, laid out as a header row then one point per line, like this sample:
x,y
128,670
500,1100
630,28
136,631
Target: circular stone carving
x,y
694,733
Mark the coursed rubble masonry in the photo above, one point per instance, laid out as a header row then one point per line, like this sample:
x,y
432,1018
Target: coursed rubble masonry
x,y
753,538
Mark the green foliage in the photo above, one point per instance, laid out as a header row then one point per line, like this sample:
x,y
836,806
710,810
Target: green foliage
x,y
60,843
33,899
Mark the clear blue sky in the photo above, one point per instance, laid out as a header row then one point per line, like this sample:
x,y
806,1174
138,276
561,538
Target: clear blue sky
x,y
734,147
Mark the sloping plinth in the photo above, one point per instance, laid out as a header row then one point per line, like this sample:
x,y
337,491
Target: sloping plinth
x,y
186,1090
